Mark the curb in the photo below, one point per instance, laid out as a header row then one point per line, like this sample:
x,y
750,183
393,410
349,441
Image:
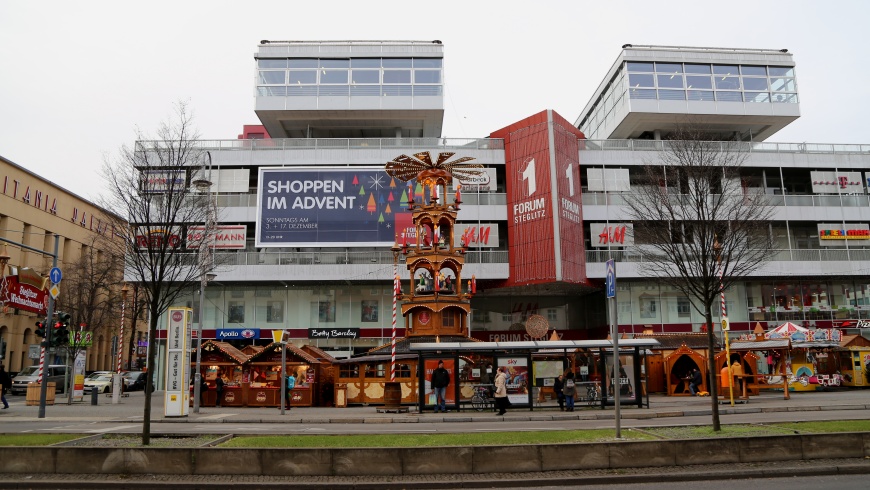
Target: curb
x,y
435,482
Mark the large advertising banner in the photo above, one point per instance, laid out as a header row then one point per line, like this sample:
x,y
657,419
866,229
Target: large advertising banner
x,y
430,365
530,200
566,168
517,379
25,291
313,207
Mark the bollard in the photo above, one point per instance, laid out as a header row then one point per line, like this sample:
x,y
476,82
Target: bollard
x,y
95,396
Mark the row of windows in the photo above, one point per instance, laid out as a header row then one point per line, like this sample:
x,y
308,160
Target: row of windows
x,y
324,76
350,63
708,69
350,91
710,82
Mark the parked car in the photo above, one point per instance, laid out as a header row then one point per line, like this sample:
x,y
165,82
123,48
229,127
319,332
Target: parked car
x,y
55,373
138,383
101,382
130,378
96,374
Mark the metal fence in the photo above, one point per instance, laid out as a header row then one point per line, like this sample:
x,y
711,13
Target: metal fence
x,y
752,147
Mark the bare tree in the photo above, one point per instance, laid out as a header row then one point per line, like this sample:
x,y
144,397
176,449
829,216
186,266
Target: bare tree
x,y
89,293
697,227
150,186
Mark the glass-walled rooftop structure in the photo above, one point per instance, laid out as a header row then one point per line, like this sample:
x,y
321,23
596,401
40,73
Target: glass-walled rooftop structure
x,y
737,94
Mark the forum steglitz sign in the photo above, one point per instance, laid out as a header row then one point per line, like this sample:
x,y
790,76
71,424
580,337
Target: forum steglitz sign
x,y
313,207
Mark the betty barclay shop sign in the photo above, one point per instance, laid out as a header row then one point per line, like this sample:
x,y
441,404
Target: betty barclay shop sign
x,y
333,333
26,291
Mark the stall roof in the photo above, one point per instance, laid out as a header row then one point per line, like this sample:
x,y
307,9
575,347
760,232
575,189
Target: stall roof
x,y
817,345
375,358
761,344
529,345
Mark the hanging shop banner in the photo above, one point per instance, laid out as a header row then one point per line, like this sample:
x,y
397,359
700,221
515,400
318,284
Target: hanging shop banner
x,y
833,235
482,235
483,182
315,207
827,182
175,399
431,365
333,333
153,237
159,181
26,291
225,237
237,333
517,379
614,234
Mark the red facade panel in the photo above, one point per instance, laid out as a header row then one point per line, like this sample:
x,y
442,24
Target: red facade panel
x,y
532,164
529,201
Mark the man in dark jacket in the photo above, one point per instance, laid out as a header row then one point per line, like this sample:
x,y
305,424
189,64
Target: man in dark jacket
x,y
440,381
696,381
5,385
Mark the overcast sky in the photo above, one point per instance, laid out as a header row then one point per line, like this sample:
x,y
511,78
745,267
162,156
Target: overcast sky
x,y
77,78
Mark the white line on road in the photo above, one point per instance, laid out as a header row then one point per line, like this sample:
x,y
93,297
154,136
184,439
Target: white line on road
x,y
108,429
217,416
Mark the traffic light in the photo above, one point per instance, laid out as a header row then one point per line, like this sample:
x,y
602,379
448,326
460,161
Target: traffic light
x,y
60,336
40,329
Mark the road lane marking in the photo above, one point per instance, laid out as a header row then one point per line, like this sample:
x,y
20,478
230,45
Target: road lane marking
x,y
108,429
217,416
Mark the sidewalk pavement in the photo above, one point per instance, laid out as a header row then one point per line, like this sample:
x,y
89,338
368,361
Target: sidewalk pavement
x,y
131,408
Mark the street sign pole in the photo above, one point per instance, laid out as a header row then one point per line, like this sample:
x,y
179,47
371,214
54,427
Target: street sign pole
x,y
610,286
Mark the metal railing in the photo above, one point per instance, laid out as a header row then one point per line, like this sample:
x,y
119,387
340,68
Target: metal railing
x,y
338,258
339,143
851,200
781,255
752,147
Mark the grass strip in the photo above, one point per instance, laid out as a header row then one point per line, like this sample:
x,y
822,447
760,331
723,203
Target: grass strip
x,y
432,440
823,426
35,439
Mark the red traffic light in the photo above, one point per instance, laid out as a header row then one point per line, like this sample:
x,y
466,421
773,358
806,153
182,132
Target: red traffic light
x,y
58,325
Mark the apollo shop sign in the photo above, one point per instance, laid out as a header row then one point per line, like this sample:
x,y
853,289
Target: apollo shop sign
x,y
237,333
25,291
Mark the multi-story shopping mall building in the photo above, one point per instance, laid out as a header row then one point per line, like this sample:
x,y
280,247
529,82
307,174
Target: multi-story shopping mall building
x,y
308,216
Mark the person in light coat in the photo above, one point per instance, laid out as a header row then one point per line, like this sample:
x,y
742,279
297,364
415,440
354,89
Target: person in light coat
x,y
501,399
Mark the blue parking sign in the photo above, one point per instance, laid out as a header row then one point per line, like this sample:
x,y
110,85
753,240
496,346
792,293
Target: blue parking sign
x,y
610,279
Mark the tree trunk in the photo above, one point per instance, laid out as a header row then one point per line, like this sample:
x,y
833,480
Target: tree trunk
x,y
711,367
149,374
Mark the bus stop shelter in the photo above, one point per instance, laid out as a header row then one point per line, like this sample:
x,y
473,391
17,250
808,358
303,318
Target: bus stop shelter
x,y
470,361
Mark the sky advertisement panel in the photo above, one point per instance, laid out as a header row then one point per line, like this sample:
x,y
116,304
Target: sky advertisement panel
x,y
315,207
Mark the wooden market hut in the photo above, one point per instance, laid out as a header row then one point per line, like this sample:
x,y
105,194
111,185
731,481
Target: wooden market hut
x,y
666,368
224,360
325,375
266,377
854,360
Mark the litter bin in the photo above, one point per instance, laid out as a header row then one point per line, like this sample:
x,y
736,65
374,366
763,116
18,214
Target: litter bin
x,y
95,396
340,395
34,391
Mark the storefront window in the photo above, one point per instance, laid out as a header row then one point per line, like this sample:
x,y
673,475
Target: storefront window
x,y
349,371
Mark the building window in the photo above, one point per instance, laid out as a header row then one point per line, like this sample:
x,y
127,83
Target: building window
x,y
349,371
480,316
326,312
274,312
236,312
683,307
506,317
552,314
448,318
375,370
648,308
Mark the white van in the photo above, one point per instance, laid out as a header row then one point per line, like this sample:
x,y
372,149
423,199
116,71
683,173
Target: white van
x,y
56,373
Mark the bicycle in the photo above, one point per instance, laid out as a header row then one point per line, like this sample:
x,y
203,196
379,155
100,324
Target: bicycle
x,y
481,400
593,395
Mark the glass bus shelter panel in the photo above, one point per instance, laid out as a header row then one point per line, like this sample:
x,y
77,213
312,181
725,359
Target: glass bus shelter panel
x,y
629,378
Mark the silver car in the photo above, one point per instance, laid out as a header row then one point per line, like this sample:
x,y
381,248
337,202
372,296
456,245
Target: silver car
x,y
55,373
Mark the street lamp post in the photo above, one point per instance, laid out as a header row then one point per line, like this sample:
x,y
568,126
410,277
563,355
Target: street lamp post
x,y
204,185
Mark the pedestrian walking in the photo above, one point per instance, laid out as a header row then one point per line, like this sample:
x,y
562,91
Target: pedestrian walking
x,y
440,381
570,391
501,399
5,385
558,384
